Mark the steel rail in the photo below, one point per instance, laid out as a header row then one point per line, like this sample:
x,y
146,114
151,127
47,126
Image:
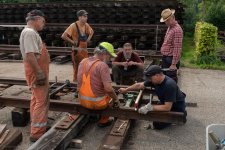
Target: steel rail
x,y
65,51
68,106
125,26
20,81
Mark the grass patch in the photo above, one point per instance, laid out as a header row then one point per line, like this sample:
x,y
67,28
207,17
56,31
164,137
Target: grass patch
x,y
187,55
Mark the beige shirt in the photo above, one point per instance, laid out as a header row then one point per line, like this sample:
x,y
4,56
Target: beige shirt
x,y
30,42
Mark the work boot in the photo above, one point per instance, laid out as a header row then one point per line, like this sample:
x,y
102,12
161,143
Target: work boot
x,y
76,94
105,124
33,140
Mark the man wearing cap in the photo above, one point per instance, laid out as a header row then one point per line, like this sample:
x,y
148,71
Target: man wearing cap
x,y
36,65
172,45
94,82
171,98
127,64
78,30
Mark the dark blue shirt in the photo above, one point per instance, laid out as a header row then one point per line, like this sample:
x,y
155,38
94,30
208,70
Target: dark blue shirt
x,y
170,89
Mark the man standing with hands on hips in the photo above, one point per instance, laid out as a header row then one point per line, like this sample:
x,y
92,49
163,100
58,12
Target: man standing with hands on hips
x,y
172,45
36,65
78,30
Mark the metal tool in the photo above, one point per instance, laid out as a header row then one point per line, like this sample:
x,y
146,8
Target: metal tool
x,y
53,83
110,100
138,99
55,91
123,122
70,116
167,69
156,37
150,100
216,140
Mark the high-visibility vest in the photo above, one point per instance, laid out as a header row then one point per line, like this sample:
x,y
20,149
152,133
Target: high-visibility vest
x,y
86,96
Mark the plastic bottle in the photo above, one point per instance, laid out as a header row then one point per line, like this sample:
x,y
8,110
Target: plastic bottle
x,y
125,68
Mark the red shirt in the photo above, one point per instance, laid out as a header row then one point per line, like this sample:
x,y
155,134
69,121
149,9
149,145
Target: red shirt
x,y
172,45
134,57
100,74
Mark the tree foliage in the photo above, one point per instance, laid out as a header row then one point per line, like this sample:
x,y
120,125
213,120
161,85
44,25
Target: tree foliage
x,y
216,15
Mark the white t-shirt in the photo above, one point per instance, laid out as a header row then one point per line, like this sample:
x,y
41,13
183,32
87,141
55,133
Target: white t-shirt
x,y
30,42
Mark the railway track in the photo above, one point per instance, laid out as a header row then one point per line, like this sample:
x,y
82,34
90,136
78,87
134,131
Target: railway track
x,y
60,136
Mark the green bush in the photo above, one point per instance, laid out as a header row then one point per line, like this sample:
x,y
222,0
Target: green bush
x,y
208,60
205,39
205,43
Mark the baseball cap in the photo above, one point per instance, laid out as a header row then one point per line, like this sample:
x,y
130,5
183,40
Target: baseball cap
x,y
81,13
151,71
36,12
109,47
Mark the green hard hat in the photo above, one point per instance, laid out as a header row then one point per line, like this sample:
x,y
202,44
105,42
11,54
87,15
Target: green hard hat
x,y
108,47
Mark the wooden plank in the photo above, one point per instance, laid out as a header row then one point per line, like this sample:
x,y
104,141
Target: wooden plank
x,y
12,140
2,129
57,139
4,136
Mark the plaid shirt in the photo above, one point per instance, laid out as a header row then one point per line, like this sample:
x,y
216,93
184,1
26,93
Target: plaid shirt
x,y
172,45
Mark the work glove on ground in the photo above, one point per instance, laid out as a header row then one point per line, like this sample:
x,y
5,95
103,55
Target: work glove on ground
x,y
116,103
146,108
40,78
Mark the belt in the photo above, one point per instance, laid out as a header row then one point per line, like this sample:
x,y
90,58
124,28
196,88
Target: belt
x,y
167,56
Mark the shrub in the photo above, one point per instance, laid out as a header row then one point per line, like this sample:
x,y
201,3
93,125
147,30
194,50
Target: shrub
x,y
205,39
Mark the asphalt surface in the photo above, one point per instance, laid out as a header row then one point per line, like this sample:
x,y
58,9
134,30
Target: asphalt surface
x,y
204,87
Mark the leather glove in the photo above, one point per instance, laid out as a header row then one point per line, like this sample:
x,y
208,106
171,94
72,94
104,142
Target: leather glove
x,y
40,78
145,109
116,103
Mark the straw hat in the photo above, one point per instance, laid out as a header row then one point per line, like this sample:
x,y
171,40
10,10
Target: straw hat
x,y
166,14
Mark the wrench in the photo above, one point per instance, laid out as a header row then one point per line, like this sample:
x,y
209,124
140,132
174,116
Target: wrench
x,y
123,122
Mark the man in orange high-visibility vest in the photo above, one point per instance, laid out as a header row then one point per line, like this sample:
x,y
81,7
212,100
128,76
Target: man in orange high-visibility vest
x,y
94,81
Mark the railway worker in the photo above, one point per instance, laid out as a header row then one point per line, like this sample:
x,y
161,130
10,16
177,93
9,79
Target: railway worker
x,y
94,82
78,30
36,65
172,45
171,98
127,64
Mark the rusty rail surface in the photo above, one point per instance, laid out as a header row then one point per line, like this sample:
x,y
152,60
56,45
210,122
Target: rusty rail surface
x,y
68,106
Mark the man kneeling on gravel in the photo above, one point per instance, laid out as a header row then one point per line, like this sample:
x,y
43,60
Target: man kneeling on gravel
x,y
171,98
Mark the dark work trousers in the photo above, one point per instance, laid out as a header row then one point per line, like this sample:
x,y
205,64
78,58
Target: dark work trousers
x,y
177,107
119,72
166,63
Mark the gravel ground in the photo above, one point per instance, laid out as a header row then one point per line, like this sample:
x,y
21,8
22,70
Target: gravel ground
x,y
204,87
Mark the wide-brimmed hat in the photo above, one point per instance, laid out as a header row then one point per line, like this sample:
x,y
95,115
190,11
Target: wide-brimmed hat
x,y
166,14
